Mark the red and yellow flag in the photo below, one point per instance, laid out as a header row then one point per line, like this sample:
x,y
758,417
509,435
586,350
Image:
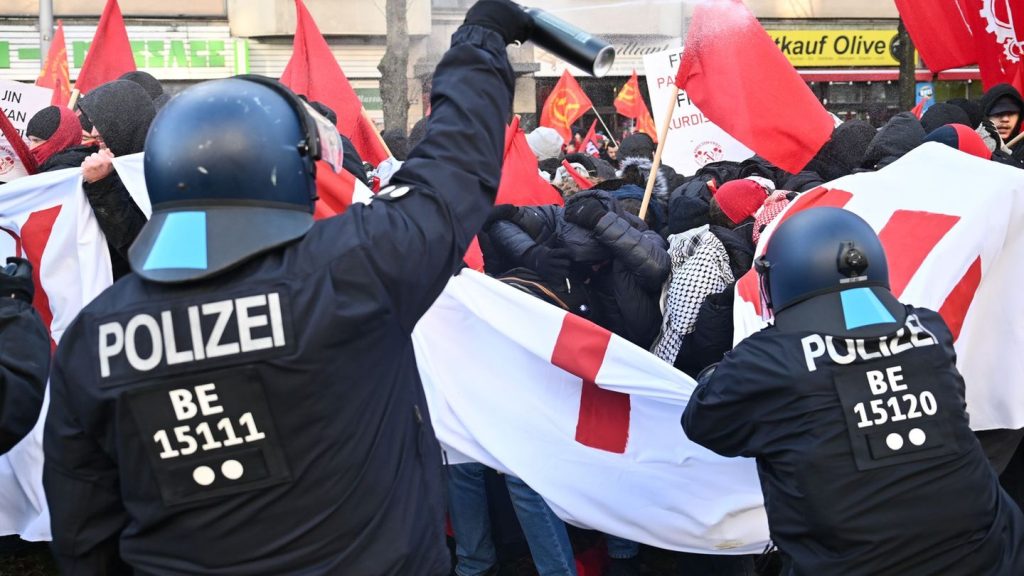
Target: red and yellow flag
x,y
55,70
630,104
564,106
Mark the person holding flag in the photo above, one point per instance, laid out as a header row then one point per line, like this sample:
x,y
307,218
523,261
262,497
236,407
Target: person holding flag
x,y
248,400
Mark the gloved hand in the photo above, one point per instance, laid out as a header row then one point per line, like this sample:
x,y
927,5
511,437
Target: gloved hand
x,y
504,17
16,280
585,213
550,263
501,212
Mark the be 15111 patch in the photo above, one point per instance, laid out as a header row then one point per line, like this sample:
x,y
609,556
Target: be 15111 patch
x,y
209,435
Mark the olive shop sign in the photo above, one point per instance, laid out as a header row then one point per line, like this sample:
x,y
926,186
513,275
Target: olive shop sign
x,y
810,48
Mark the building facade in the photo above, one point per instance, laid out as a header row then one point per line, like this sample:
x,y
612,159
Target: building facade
x,y
843,48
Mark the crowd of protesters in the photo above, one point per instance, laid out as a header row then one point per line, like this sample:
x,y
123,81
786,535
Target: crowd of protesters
x,y
665,282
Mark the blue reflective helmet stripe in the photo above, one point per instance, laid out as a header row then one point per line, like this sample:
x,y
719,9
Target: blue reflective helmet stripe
x,y
862,308
181,243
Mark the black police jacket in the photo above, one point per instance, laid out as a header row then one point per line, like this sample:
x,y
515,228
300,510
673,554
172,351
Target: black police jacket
x,y
24,365
271,419
865,456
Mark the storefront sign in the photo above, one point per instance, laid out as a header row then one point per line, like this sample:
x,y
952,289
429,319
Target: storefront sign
x,y
809,48
184,51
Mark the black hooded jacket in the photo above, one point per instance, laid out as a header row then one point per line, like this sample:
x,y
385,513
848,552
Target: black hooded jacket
x,y
121,111
632,261
900,135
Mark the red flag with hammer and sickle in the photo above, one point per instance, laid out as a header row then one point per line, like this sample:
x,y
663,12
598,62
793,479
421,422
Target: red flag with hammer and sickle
x,y
564,106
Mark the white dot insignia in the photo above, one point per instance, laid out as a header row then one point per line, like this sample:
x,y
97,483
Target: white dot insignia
x,y
232,469
204,475
392,193
894,441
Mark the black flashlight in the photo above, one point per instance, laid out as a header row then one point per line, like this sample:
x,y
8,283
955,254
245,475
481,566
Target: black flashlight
x,y
575,46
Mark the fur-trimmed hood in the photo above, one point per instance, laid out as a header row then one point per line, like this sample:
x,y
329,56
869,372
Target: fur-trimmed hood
x,y
636,171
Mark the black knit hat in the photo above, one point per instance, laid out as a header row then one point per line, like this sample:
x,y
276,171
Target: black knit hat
x,y
150,84
637,145
971,107
941,114
44,123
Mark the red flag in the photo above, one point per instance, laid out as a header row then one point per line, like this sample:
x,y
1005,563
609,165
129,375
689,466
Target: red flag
x,y
996,48
919,109
582,182
55,70
313,72
110,54
629,102
564,106
758,99
941,31
589,143
645,124
521,183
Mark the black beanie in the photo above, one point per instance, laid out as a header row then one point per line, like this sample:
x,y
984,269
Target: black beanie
x,y
148,82
44,123
325,111
971,107
637,145
941,114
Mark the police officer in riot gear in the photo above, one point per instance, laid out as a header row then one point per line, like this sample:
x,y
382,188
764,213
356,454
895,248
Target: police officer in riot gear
x,y
248,401
853,407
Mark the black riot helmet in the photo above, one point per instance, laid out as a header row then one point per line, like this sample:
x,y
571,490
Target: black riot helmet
x,y
230,168
818,251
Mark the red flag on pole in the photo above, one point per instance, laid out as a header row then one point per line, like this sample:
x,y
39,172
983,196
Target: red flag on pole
x,y
589,143
313,72
941,31
918,110
758,98
521,183
630,104
54,74
110,54
564,106
582,182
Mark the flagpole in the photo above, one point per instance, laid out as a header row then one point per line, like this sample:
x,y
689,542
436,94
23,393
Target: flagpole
x,y
1015,140
601,120
73,99
662,136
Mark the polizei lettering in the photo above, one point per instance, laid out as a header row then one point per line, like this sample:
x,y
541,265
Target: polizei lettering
x,y
849,350
193,333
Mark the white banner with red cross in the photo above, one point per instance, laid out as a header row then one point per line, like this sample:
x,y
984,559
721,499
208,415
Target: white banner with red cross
x,y
952,226
584,417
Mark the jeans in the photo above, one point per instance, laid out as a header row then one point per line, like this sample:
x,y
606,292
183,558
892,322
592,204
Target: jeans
x,y
545,532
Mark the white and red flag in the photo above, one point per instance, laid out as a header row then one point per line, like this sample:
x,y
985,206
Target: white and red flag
x,y
952,226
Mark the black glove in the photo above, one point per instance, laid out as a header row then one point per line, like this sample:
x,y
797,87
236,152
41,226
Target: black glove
x,y
586,213
504,17
550,263
16,280
501,212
